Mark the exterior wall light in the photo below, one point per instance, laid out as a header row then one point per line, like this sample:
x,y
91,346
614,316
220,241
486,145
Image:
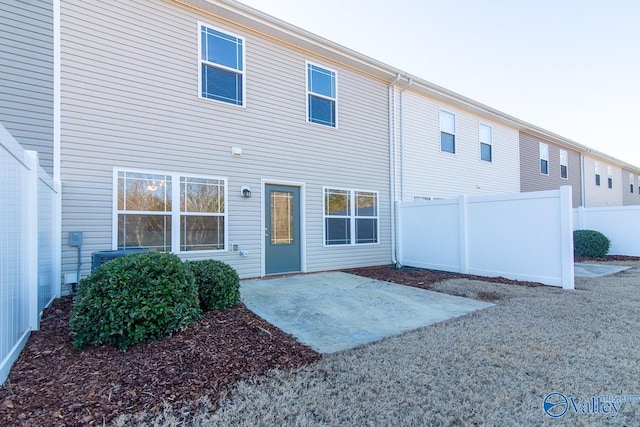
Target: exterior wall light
x,y
246,192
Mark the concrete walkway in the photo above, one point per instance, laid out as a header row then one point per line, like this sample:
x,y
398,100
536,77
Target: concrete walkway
x,y
596,270
336,311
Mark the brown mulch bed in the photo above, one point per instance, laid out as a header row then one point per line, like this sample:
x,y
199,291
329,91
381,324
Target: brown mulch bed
x,y
607,258
424,279
51,384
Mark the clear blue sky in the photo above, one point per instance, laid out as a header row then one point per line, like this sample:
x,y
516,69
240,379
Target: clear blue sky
x,y
569,66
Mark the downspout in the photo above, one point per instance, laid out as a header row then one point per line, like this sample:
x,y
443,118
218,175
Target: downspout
x,y
392,169
401,138
583,186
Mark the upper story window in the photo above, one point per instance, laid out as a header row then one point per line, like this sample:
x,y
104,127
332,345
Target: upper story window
x,y
631,180
169,212
544,158
597,171
609,176
221,66
350,217
486,142
447,131
564,164
321,95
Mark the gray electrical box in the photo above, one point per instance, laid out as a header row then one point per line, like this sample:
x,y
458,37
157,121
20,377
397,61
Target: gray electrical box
x,y
75,238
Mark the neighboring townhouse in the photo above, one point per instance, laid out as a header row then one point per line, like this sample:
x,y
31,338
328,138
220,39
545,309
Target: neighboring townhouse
x,y
603,183
630,192
446,147
546,164
214,131
27,74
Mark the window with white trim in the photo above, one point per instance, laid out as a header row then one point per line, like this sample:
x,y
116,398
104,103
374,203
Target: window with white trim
x,y
544,158
321,95
350,217
447,132
170,212
631,180
486,142
221,66
596,167
609,176
564,164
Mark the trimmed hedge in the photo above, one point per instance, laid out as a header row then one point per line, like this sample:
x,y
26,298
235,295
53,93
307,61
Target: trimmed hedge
x,y
218,284
134,299
590,243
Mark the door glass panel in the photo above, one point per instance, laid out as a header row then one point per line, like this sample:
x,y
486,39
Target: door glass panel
x,y
281,218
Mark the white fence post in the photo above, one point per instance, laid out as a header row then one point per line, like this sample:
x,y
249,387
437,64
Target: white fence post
x,y
31,240
463,241
566,237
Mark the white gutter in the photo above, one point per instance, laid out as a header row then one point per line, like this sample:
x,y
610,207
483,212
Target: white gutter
x,y
409,83
392,168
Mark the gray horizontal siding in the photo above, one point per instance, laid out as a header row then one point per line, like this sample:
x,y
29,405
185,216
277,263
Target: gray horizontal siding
x,y
601,195
130,100
630,198
26,67
532,180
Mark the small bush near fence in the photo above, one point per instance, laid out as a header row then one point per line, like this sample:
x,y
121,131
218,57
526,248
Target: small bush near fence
x,y
134,299
218,284
590,243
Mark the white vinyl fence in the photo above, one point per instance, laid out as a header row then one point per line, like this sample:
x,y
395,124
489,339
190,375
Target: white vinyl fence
x,y
621,224
525,236
29,246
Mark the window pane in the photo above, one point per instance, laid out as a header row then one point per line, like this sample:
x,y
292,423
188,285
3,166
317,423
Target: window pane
x,y
544,167
221,85
201,195
336,202
338,231
563,171
485,152
610,182
544,151
597,179
201,233
222,49
144,192
366,230
282,218
485,134
322,111
321,81
366,204
144,231
447,122
447,142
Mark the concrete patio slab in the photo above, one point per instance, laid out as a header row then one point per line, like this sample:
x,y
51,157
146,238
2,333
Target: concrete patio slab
x,y
596,270
336,311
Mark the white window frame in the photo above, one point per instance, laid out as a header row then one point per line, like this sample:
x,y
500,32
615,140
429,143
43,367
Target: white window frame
x,y
609,177
564,161
175,213
631,182
352,216
596,169
308,92
242,72
441,111
489,143
544,155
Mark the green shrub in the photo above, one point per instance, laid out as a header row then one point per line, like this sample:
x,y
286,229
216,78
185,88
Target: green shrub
x,y
590,243
218,284
137,298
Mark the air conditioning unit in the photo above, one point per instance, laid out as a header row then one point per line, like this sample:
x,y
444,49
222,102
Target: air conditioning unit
x,y
99,258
